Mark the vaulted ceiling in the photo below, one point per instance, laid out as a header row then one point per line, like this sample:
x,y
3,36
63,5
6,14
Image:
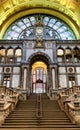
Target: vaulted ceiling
x,y
67,10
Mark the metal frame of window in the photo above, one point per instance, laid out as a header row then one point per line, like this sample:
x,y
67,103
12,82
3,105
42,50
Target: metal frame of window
x,y
53,28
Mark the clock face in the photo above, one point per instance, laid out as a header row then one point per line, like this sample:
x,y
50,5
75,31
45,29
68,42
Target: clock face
x,y
39,31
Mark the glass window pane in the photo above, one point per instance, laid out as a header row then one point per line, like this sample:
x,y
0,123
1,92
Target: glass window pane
x,y
53,27
60,52
10,52
18,52
33,20
2,52
45,20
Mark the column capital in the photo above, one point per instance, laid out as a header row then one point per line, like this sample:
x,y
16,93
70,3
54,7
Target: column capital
x,y
53,66
25,66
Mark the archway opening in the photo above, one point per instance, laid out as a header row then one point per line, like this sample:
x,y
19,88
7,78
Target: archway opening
x,y
39,77
39,72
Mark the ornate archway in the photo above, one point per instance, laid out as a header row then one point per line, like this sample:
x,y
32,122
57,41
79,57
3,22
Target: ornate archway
x,y
39,56
39,66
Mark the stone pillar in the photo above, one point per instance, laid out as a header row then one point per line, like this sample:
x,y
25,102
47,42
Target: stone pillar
x,y
53,78
24,52
47,89
49,82
25,79
30,79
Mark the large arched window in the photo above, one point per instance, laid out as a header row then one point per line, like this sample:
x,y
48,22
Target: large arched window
x,y
52,28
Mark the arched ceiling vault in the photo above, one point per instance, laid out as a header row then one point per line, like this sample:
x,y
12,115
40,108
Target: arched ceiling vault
x,y
67,10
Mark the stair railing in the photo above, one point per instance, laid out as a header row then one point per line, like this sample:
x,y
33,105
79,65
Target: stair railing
x,y
39,107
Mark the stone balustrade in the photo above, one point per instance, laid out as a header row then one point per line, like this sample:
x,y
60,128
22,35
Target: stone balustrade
x,y
8,101
70,101
74,112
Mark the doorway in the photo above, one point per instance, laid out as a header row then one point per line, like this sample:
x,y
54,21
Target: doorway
x,y
39,77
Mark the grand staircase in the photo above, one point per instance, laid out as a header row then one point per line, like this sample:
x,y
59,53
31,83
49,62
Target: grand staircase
x,y
25,115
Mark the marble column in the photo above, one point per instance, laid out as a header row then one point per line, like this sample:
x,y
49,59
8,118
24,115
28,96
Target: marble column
x,y
25,79
53,78
49,85
47,89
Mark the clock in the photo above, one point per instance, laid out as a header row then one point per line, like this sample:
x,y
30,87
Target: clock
x,y
39,31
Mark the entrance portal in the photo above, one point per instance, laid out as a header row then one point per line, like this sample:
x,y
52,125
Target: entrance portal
x,y
39,77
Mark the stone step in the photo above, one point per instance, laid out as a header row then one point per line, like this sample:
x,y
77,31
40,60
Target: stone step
x,y
27,109
36,122
34,114
42,126
41,121
19,116
43,113
19,113
33,118
23,111
49,115
24,115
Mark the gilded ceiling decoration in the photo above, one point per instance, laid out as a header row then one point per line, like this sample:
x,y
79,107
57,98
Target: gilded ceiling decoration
x,y
14,9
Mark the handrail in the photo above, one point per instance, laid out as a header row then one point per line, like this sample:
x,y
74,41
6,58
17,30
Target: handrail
x,y
71,109
71,90
39,108
5,111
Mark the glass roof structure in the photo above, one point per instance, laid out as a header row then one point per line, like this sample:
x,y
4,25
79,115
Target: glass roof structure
x,y
53,28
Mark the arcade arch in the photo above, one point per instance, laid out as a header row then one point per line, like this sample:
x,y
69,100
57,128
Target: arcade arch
x,y
39,73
